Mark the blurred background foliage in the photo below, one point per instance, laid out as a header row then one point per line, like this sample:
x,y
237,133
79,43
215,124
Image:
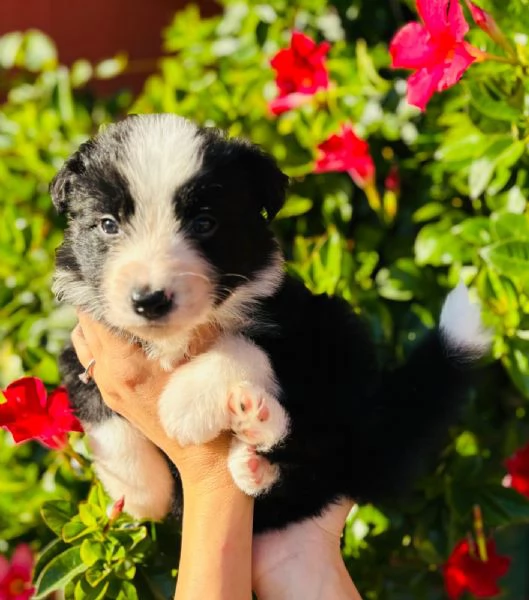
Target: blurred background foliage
x,y
459,212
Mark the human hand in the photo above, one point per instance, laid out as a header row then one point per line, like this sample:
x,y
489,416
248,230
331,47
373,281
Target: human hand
x,y
131,384
304,560
215,555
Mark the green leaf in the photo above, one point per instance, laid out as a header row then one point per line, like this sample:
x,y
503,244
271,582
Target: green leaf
x,y
84,591
125,569
295,206
61,570
480,174
98,497
510,258
474,230
111,67
39,51
516,363
53,549
75,530
91,552
502,506
96,574
127,592
401,281
482,101
81,72
508,226
428,212
89,514
467,444
56,514
436,245
10,45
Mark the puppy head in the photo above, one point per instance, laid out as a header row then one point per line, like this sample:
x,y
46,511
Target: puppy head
x,y
168,226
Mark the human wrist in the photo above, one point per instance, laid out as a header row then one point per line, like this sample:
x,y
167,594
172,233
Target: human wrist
x,y
215,561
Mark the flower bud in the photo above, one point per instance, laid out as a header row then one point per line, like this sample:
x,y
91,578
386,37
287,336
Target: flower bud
x,y
485,22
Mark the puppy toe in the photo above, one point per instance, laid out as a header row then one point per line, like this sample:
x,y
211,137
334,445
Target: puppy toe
x,y
256,417
253,473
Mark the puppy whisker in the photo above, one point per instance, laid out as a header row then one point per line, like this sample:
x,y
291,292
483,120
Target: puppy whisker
x,y
235,275
192,274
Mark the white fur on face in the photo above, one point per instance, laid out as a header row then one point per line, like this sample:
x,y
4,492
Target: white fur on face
x,y
161,154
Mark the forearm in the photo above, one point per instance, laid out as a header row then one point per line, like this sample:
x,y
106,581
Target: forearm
x,y
216,553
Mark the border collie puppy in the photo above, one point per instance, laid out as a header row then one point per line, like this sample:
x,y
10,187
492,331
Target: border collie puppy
x,y
169,234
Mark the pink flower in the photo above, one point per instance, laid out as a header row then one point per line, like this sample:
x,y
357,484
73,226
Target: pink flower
x,y
518,469
300,72
30,413
15,576
436,50
346,152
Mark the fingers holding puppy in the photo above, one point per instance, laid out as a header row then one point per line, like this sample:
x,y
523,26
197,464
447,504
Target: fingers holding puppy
x,y
126,378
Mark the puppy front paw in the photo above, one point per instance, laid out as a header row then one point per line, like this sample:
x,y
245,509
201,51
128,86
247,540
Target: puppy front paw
x,y
191,410
251,472
256,417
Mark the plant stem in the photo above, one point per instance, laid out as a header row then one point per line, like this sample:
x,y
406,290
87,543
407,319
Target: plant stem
x,y
501,59
72,454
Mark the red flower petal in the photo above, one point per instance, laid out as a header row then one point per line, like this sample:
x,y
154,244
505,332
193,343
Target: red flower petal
x,y
410,48
434,14
30,414
463,572
4,568
283,103
301,67
23,559
455,582
422,85
454,70
27,392
60,410
346,152
518,468
456,21
7,414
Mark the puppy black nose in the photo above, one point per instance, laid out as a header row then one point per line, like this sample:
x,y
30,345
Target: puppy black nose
x,y
151,305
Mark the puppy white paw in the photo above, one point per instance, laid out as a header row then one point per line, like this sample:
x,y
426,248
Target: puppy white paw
x,y
192,408
252,473
256,417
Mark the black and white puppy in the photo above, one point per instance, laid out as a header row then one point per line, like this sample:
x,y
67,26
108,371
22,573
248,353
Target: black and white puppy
x,y
169,231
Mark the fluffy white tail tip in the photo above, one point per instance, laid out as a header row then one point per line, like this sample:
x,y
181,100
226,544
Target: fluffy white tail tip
x,y
461,323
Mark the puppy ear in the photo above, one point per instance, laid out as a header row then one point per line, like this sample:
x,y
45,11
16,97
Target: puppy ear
x,y
267,182
61,185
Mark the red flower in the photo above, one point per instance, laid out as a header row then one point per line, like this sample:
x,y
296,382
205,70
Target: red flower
x,y
465,571
518,469
300,72
15,576
346,152
436,50
30,413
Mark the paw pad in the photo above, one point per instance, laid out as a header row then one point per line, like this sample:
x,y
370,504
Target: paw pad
x,y
253,473
256,417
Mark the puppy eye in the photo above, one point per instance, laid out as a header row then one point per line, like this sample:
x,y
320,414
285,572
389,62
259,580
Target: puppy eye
x,y
204,225
109,225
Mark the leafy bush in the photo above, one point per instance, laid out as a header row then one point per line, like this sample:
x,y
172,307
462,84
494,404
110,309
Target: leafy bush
x,y
444,199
